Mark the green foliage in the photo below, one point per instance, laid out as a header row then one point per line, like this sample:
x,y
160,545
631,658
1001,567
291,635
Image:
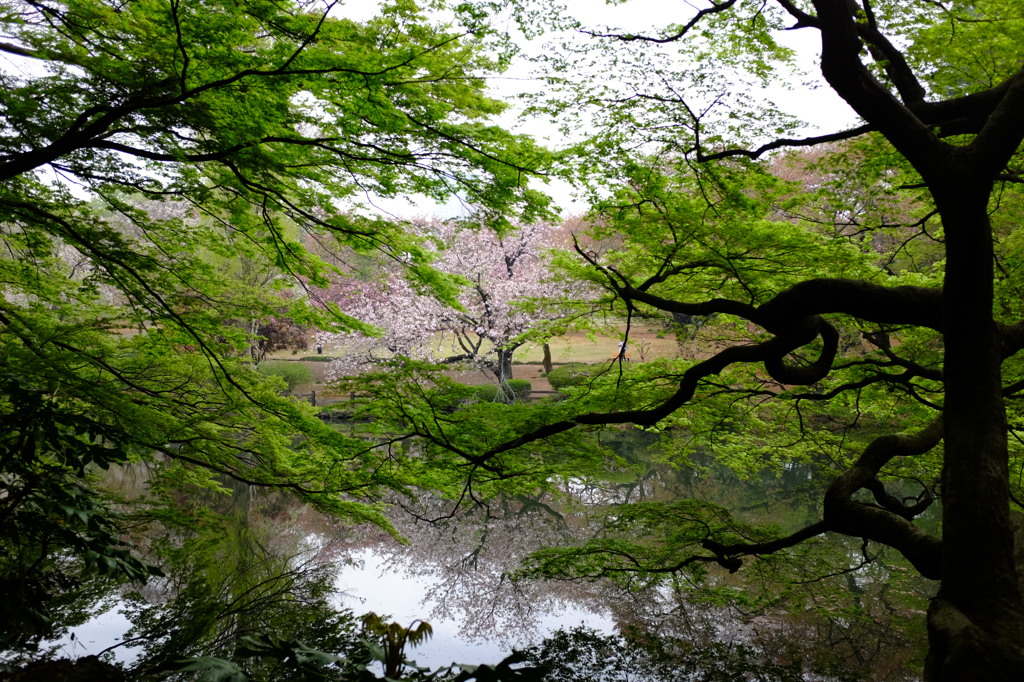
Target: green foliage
x,y
453,424
55,533
582,654
207,145
572,374
294,374
210,142
513,390
393,638
949,50
256,135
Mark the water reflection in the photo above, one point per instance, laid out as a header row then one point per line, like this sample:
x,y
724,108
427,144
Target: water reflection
x,y
384,581
247,570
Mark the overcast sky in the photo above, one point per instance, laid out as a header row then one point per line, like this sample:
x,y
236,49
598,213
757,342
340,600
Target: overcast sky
x,y
821,108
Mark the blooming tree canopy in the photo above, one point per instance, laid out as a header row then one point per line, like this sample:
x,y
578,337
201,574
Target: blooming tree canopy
x,y
508,292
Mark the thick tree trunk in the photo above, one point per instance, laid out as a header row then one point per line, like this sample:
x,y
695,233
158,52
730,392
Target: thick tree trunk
x,y
546,362
503,371
976,623
504,365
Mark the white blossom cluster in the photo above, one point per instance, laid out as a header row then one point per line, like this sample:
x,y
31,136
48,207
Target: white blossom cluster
x,y
510,291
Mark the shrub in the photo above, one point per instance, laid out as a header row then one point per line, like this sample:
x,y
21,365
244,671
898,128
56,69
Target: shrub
x,y
488,393
294,373
520,388
572,374
455,395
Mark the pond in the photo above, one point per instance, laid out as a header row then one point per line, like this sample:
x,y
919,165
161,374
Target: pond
x,y
387,583
382,581
456,572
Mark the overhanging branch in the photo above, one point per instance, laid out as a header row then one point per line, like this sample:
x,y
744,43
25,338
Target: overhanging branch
x,y
786,142
888,523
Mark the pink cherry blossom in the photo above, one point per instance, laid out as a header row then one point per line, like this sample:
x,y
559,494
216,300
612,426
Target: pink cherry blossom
x,y
509,293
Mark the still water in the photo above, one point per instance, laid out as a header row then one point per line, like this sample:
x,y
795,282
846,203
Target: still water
x,y
372,580
454,572
384,585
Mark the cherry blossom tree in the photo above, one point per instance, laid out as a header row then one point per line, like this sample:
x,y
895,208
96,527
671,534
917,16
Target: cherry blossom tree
x,y
508,295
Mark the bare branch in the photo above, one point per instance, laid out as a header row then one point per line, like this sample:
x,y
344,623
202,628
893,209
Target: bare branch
x,y
786,142
631,37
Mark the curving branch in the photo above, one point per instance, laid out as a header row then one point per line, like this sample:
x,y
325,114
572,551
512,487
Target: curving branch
x,y
911,305
792,316
801,335
633,37
961,115
889,522
729,556
785,142
1003,129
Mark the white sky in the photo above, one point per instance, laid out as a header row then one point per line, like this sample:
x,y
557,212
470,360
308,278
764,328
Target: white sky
x,y
818,105
372,582
821,108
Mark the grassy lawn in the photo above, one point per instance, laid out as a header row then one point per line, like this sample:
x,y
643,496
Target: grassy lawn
x,y
645,345
578,347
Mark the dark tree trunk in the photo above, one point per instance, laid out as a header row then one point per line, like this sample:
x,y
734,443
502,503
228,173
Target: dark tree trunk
x,y
548,365
503,372
976,623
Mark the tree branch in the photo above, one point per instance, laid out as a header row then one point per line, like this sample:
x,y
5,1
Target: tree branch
x,y
728,555
631,37
850,78
786,142
888,524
